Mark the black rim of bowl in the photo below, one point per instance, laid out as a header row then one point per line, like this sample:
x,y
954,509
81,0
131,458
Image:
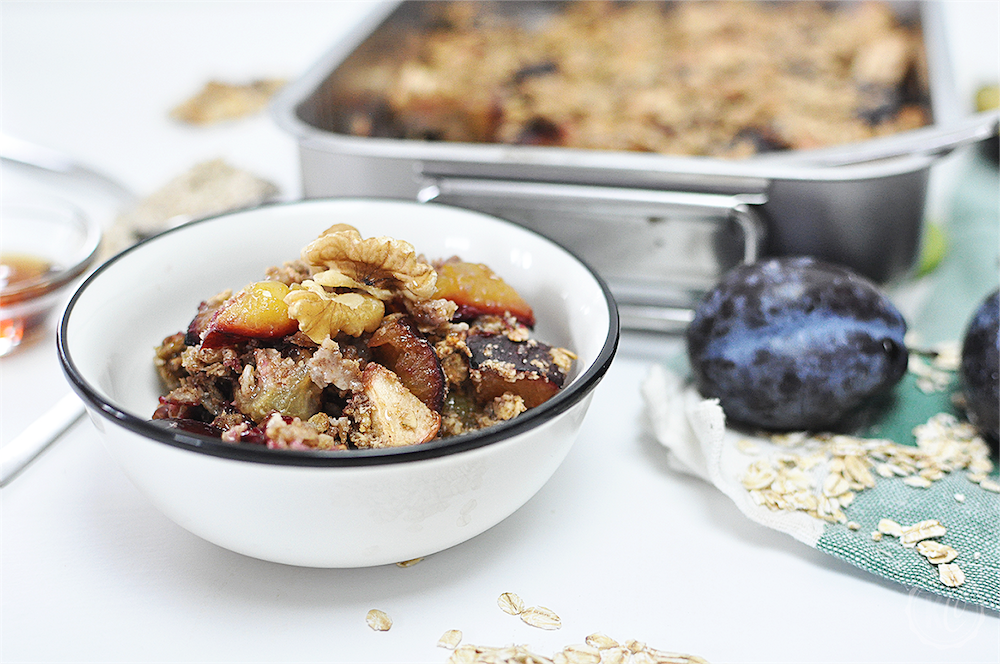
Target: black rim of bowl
x,y
440,447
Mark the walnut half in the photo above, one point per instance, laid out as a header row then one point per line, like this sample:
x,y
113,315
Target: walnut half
x,y
351,279
381,266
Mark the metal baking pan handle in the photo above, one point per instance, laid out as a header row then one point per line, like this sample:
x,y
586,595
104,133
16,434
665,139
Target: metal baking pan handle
x,y
658,250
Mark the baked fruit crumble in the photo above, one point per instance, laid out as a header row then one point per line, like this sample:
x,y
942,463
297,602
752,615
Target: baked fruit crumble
x,y
360,343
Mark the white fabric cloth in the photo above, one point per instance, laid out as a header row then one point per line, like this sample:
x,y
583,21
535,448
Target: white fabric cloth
x,y
693,429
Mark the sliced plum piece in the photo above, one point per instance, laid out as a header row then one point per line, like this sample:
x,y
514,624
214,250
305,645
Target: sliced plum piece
x,y
256,312
401,348
528,368
206,312
477,290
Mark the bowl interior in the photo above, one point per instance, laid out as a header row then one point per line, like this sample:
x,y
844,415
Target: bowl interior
x,y
119,316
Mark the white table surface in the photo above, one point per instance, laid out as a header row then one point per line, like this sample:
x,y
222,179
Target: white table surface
x,y
615,542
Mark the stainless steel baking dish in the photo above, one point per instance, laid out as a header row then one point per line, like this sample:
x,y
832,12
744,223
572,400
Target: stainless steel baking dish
x,y
660,229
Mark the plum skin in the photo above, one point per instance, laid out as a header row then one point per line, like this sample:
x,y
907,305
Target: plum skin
x,y
795,343
979,369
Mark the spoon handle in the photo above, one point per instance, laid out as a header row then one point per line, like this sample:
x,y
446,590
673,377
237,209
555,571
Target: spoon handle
x,y
41,433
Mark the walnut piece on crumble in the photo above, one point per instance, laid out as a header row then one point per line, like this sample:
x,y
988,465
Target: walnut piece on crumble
x,y
381,266
351,278
323,314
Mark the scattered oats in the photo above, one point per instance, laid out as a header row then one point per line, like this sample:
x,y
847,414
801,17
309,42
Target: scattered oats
x,y
931,474
661,657
759,475
885,470
601,641
464,655
822,474
930,378
378,620
951,575
948,355
890,527
408,563
898,470
858,471
206,189
803,500
636,653
510,603
635,646
790,439
541,617
917,481
616,655
877,536
981,464
935,552
976,555
581,653
450,639
834,485
513,653
854,525
921,531
811,461
220,100
960,497
747,446
990,485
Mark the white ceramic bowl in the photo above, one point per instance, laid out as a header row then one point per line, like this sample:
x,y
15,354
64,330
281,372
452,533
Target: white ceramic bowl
x,y
327,509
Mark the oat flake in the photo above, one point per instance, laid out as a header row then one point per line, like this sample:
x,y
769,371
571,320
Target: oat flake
x,y
450,639
990,485
541,617
378,620
511,603
601,641
408,563
890,527
951,575
935,552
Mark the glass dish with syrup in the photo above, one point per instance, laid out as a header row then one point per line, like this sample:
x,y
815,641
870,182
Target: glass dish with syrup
x,y
45,244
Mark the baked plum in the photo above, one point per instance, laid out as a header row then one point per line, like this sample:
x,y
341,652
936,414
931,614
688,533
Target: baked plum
x,y
528,369
477,291
979,369
398,346
256,312
795,343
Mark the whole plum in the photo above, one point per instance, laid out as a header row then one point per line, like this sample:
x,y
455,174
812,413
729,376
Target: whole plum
x,y
979,369
795,343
